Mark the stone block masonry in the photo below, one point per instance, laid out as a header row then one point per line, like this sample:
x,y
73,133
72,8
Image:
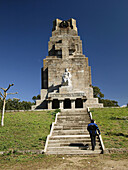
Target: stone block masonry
x,y
65,57
69,134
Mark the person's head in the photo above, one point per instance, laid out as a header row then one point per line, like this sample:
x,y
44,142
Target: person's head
x,y
66,70
92,120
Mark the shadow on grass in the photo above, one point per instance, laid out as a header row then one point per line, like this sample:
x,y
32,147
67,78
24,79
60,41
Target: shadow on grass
x,y
116,134
119,118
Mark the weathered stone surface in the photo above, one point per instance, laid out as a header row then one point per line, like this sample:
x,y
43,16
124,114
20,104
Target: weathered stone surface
x,y
69,134
65,52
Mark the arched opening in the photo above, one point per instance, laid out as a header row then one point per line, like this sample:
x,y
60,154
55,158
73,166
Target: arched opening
x,y
55,104
79,103
67,104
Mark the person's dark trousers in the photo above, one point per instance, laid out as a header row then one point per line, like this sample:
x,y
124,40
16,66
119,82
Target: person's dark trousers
x,y
93,141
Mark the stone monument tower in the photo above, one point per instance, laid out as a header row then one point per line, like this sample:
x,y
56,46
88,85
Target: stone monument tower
x,y
66,75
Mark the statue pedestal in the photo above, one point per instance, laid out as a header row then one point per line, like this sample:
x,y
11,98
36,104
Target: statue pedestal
x,y
65,89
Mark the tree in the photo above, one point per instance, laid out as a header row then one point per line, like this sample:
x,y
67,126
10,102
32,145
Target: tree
x,y
106,102
26,105
34,98
1,103
109,103
16,104
97,93
4,95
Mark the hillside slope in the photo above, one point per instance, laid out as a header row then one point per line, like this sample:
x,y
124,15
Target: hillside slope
x,y
113,123
28,130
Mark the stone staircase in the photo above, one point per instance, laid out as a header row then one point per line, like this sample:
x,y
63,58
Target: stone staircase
x,y
69,134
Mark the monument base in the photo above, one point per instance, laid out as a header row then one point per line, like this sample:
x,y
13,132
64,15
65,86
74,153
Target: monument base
x,y
66,98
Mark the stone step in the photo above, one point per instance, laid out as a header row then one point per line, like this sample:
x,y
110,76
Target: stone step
x,y
65,139
64,148
73,121
70,128
73,111
68,141
69,125
98,146
69,132
75,152
70,137
69,121
74,145
66,123
73,116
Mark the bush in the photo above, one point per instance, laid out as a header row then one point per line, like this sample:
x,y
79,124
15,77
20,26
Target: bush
x,y
16,104
109,103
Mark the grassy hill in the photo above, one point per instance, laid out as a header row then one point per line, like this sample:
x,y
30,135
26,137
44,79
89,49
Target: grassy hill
x,y
28,130
25,130
113,123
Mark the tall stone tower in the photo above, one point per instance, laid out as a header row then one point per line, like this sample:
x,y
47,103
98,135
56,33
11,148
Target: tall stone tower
x,y
66,75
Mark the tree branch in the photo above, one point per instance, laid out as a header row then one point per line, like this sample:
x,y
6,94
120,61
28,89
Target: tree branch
x,y
3,89
13,93
9,87
1,94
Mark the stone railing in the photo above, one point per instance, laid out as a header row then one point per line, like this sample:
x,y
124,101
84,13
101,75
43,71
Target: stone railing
x,y
52,127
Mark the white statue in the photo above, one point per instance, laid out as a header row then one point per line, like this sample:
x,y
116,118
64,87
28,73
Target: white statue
x,y
66,78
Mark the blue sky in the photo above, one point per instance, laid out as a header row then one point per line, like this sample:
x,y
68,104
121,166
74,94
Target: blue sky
x,y
25,29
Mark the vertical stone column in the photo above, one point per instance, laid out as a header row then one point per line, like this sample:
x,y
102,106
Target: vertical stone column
x,y
72,104
49,104
61,104
65,48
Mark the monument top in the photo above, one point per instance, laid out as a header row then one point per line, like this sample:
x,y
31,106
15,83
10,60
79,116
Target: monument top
x,y
65,42
64,24
66,75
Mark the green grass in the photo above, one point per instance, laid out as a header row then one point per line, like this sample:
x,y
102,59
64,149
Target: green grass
x,y
28,161
28,130
25,130
113,123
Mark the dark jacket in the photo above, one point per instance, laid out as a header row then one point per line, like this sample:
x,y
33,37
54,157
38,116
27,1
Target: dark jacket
x,y
92,128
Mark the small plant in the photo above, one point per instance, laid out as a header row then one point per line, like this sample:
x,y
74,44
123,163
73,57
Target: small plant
x,y
55,112
43,138
9,153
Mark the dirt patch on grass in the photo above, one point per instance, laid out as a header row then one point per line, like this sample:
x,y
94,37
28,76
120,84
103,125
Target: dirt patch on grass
x,y
116,165
62,162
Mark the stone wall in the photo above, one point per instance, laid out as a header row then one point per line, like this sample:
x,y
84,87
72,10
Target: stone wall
x,y
78,67
65,52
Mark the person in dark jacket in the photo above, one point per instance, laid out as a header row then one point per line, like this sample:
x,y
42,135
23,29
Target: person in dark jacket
x,y
92,128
